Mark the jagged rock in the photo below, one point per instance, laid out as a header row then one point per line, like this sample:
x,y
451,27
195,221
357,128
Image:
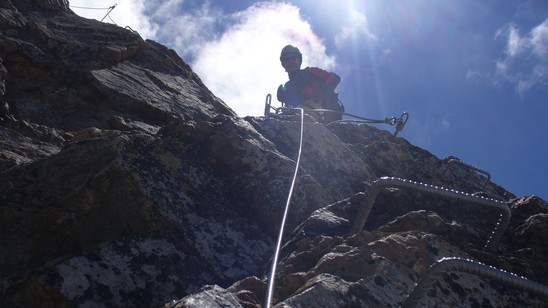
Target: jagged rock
x,y
124,181
338,169
396,157
3,73
379,268
9,16
42,5
18,149
210,296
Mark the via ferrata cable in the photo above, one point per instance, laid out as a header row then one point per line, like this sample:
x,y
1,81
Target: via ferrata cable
x,y
271,279
109,9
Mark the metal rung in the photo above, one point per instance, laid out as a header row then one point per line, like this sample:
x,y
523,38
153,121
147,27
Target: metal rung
x,y
374,189
468,266
452,159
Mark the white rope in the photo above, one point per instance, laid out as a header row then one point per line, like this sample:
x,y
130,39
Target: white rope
x,y
272,277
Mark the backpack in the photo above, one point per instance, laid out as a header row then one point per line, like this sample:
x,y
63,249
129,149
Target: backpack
x,y
291,94
331,102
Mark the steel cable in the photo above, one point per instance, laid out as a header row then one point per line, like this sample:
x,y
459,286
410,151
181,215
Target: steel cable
x,y
109,9
91,8
374,189
399,123
475,268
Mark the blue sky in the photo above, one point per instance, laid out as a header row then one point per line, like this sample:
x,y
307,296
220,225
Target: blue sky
x,y
473,75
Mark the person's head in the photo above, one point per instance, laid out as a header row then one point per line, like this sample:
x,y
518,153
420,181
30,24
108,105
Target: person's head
x,y
291,59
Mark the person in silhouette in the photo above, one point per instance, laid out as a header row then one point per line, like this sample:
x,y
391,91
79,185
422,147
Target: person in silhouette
x,y
311,87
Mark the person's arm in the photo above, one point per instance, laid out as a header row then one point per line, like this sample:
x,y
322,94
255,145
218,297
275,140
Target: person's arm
x,y
287,94
281,94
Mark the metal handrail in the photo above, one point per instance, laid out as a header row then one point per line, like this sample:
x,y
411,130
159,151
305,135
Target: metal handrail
x,y
472,267
375,188
452,159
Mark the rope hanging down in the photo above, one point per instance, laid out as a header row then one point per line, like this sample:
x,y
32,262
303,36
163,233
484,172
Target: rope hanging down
x,y
399,123
271,279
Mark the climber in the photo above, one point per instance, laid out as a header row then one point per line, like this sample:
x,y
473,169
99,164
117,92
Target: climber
x,y
311,88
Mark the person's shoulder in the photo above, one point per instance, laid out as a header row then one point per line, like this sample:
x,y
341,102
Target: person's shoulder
x,y
305,72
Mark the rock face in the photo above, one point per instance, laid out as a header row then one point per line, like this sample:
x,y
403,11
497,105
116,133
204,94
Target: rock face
x,y
125,182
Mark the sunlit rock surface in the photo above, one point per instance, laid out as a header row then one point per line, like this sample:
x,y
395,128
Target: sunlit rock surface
x,y
126,182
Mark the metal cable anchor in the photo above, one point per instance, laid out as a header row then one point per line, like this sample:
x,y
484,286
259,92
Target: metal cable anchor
x,y
398,122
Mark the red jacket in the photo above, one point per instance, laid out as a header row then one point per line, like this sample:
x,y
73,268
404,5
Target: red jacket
x,y
311,83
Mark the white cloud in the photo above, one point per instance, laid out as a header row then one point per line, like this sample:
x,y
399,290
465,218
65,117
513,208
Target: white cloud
x,y
539,40
526,57
186,30
357,24
515,43
472,74
242,66
445,123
